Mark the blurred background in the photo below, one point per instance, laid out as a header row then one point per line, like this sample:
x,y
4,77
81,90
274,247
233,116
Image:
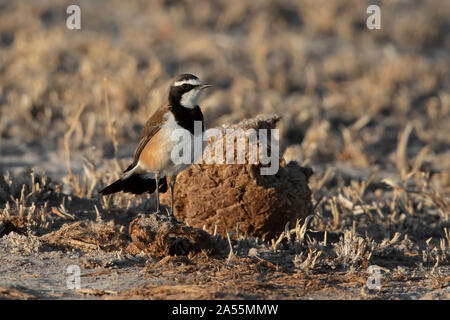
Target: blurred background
x,y
346,94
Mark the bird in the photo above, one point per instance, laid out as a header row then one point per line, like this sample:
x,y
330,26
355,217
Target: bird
x,y
152,162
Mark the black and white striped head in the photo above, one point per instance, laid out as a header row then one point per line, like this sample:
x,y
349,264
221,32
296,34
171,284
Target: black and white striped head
x,y
186,90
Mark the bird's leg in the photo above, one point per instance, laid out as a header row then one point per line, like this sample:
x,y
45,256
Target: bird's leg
x,y
172,185
157,191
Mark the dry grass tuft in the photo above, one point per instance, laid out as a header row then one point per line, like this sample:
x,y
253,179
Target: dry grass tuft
x,y
86,237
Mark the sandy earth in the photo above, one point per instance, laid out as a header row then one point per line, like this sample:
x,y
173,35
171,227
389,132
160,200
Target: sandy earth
x,y
30,270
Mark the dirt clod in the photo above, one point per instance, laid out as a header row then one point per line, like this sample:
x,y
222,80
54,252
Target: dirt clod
x,y
161,236
225,195
13,224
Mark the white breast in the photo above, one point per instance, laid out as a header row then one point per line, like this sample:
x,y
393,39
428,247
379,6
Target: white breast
x,y
170,139
186,142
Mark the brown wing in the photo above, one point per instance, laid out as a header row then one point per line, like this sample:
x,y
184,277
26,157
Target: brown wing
x,y
151,128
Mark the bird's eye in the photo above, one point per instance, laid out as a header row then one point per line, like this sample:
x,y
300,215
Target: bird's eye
x,y
185,86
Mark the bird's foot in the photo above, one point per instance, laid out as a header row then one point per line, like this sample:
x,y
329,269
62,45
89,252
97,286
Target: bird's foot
x,y
141,215
172,217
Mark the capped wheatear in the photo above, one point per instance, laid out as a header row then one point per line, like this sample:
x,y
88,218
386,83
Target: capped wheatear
x,y
152,161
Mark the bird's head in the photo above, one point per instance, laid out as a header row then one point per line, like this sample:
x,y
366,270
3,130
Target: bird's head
x,y
186,90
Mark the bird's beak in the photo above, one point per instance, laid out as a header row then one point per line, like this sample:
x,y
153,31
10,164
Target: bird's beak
x,y
204,86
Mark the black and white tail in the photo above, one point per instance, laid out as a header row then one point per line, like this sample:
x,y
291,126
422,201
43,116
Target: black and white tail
x,y
135,184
